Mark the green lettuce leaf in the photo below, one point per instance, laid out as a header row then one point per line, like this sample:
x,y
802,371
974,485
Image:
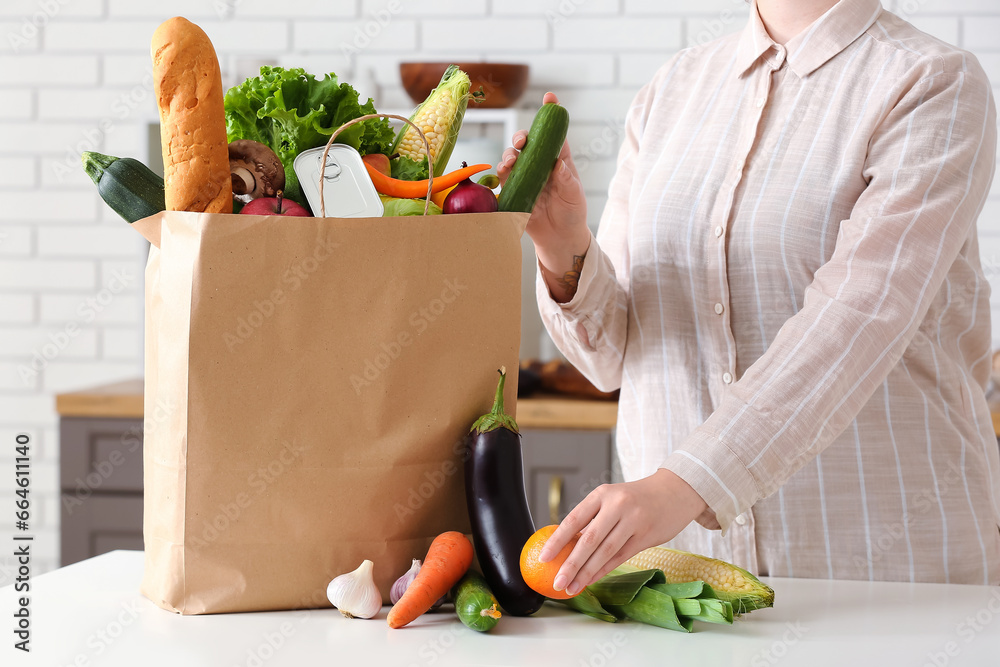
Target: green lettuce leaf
x,y
408,169
292,111
394,206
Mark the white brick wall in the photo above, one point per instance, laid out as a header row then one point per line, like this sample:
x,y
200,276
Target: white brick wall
x,y
631,34
15,240
561,8
35,10
529,34
398,34
419,8
17,308
76,77
982,33
34,70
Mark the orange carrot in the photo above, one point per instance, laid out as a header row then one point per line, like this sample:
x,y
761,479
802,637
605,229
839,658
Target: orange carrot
x,y
395,187
448,558
439,197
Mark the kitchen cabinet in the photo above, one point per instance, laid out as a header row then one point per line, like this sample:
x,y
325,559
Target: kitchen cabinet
x,y
100,470
561,466
567,446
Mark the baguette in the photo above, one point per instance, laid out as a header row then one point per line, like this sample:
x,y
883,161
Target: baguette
x,y
188,87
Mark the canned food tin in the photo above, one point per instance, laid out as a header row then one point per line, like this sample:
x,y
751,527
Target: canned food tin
x,y
347,188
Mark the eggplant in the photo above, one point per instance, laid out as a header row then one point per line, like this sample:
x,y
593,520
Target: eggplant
x,y
498,506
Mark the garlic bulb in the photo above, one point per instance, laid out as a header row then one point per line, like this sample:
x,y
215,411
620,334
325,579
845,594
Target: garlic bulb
x,y
401,584
355,593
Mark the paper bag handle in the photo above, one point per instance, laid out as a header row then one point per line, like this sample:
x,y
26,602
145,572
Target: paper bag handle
x,y
326,151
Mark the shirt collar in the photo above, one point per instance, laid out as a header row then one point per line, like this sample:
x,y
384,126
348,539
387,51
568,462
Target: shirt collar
x,y
826,37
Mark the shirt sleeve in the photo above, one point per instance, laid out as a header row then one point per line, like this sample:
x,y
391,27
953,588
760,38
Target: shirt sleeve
x,y
591,328
929,168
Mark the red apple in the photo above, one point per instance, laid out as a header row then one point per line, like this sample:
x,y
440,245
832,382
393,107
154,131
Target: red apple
x,y
274,206
379,162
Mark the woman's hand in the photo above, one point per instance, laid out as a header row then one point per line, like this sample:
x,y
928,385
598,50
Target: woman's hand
x,y
618,521
558,223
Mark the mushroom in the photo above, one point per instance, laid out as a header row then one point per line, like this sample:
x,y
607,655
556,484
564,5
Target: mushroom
x,y
256,170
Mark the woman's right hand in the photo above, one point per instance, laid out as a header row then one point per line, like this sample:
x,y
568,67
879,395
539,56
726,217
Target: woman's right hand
x,y
558,223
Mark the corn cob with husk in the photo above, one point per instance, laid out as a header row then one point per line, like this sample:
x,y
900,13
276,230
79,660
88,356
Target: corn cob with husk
x,y
672,589
644,596
439,117
730,583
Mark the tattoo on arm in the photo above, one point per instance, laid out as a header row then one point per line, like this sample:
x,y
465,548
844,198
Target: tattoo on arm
x,y
570,280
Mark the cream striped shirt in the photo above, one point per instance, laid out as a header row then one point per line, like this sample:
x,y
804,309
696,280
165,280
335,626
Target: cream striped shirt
x,y
786,286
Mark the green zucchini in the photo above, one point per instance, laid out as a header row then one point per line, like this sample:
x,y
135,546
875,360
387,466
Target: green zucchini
x,y
538,156
474,602
128,186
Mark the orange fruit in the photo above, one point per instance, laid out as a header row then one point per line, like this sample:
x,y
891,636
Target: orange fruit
x,y
538,575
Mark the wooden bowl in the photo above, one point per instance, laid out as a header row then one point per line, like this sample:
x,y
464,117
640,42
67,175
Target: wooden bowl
x,y
502,83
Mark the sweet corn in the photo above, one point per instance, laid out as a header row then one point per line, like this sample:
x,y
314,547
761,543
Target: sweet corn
x,y
439,117
730,583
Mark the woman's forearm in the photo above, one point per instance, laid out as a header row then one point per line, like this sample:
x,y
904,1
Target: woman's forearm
x,y
562,263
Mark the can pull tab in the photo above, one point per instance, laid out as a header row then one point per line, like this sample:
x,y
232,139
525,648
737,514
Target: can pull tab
x,y
333,168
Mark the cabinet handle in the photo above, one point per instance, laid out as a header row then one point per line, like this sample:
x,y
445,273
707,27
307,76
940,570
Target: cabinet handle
x,y
555,497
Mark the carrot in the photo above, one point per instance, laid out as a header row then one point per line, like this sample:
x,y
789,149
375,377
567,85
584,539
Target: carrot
x,y
439,197
395,187
448,558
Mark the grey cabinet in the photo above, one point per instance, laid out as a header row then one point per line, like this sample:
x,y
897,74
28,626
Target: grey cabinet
x,y
100,471
101,479
561,467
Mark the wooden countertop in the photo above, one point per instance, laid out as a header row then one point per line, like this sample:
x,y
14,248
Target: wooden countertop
x,y
124,400
559,412
120,399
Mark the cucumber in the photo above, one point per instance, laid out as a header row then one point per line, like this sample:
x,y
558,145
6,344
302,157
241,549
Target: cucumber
x,y
538,156
474,602
128,186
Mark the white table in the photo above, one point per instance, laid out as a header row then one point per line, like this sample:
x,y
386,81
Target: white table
x,y
91,613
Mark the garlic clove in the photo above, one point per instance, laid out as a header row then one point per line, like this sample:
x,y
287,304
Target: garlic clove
x,y
355,593
401,584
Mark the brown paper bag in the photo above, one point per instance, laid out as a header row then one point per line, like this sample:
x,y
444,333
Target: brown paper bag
x,y
312,380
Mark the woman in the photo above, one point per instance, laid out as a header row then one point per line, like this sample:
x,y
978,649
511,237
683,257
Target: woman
x,y
786,286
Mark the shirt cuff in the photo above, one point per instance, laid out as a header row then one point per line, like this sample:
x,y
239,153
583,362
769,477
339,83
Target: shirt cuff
x,y
597,277
717,474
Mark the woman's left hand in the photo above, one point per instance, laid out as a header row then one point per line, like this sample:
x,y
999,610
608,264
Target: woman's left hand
x,y
618,521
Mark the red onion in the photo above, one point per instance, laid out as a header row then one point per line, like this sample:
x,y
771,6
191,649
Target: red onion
x,y
469,197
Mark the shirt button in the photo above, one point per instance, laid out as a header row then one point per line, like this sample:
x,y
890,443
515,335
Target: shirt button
x,y
741,520
727,378
718,230
759,102
719,308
